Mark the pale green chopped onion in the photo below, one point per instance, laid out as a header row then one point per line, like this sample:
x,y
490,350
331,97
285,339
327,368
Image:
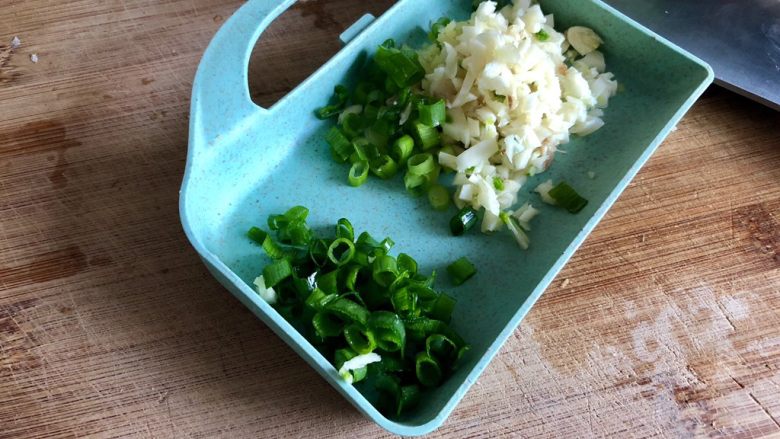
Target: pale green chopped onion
x,y
517,232
357,362
267,294
448,160
439,197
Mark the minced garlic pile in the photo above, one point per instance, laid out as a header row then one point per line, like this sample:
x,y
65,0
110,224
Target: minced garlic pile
x,y
516,89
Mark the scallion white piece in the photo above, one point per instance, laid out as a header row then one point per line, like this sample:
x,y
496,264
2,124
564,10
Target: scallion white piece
x,y
267,294
355,363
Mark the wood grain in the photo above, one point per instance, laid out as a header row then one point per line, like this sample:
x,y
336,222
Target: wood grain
x,y
665,324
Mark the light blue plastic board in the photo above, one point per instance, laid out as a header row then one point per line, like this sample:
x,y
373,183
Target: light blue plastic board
x,y
246,162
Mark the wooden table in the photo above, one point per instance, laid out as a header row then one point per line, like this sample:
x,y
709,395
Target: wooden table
x,y
666,323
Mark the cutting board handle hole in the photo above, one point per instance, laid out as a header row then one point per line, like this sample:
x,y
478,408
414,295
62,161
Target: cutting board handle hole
x,y
310,32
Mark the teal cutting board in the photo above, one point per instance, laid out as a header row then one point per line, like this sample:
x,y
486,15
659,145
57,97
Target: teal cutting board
x,y
245,162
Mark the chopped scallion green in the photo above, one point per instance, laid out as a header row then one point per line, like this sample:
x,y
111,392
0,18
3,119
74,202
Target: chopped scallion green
x,y
384,167
341,96
432,115
409,398
439,197
421,164
461,270
341,251
360,338
326,326
406,263
344,229
269,245
442,308
463,221
358,174
348,310
385,270
566,197
401,66
388,330
276,272
415,184
402,149
377,318
498,183
427,370
340,146
426,136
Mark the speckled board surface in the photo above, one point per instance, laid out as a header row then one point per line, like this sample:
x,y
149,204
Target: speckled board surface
x,y
246,162
663,324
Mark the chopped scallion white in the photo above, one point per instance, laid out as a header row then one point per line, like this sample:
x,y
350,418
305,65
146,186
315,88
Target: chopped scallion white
x,y
355,363
267,294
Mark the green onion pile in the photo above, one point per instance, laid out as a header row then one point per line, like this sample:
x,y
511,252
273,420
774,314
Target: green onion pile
x,y
373,315
384,127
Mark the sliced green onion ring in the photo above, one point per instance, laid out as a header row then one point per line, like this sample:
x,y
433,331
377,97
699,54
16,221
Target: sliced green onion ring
x,y
498,183
328,282
385,270
421,164
427,137
348,310
461,270
442,308
389,391
276,272
405,302
384,167
269,245
442,348
345,230
359,338
566,197
298,233
427,369
318,299
402,149
415,184
388,330
297,213
426,299
340,146
341,251
439,197
325,325
386,245
352,125
406,263
351,277
419,328
463,221
358,174
432,115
